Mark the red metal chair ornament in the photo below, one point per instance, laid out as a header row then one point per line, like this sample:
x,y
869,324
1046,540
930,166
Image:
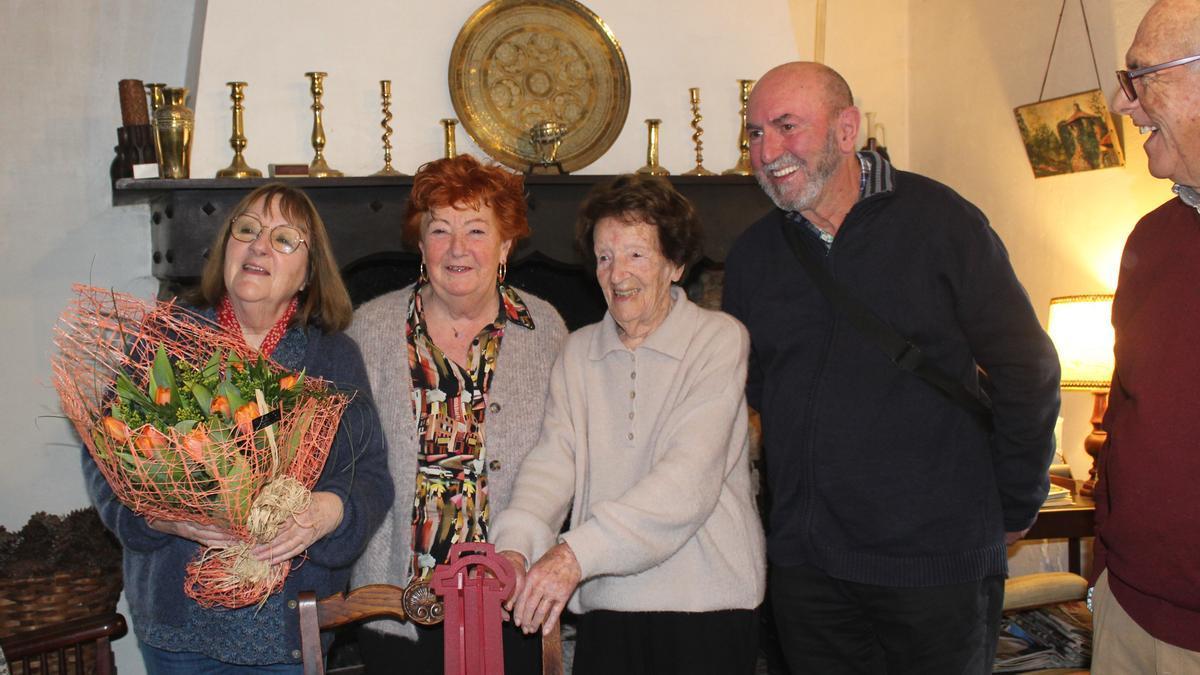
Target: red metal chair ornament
x,y
473,585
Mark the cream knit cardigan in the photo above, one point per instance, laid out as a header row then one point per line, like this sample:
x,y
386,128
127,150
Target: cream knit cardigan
x,y
649,450
516,404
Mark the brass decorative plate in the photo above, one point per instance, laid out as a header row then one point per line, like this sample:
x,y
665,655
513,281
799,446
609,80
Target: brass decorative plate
x,y
517,63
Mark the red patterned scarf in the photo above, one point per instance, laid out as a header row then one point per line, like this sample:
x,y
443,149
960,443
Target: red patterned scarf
x,y
229,322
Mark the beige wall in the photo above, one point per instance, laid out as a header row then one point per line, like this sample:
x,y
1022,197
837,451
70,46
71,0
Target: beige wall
x,y
972,63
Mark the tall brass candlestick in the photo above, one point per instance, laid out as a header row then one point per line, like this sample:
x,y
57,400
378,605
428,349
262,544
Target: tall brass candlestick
x,y
385,92
652,167
448,137
694,92
742,168
319,168
238,167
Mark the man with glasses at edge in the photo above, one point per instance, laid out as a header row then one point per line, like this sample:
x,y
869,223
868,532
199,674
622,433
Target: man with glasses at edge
x,y
1147,562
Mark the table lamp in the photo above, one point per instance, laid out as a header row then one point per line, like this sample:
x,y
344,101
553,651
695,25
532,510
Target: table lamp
x,y
1081,328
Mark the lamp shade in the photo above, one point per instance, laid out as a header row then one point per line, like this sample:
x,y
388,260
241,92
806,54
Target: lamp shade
x,y
1081,328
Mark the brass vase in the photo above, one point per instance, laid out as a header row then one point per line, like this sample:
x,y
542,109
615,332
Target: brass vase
x,y
173,124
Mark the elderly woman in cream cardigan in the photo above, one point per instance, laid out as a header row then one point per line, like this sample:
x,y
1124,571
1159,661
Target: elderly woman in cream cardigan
x,y
645,443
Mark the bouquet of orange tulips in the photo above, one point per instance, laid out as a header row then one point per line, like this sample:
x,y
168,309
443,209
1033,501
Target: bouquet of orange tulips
x,y
186,422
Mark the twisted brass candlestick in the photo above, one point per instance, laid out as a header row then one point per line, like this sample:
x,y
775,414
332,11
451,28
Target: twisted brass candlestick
x,y
385,91
448,137
319,168
653,168
694,92
238,167
742,168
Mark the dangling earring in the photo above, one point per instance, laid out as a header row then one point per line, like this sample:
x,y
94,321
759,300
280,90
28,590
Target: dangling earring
x,y
501,271
424,278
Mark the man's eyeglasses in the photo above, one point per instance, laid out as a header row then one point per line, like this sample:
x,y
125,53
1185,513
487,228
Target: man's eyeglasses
x,y
284,238
1126,77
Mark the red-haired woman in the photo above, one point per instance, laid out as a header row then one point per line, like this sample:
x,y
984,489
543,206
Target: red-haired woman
x,y
458,352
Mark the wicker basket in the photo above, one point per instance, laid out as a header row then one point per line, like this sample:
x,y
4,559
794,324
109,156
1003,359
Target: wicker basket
x,y
40,601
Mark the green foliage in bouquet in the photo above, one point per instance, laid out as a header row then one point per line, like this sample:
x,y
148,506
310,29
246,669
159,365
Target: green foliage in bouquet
x,y
205,430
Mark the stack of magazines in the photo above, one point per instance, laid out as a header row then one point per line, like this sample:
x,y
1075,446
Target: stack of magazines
x,y
1059,636
1058,495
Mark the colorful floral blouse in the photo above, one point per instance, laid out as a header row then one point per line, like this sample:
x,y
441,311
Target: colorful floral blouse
x,y
449,402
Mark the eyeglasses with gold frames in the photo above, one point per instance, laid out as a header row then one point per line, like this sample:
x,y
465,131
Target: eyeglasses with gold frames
x,y
283,238
1126,77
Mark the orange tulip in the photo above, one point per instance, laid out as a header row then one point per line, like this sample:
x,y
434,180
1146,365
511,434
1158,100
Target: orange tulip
x,y
287,382
149,439
162,396
219,404
194,443
245,416
116,429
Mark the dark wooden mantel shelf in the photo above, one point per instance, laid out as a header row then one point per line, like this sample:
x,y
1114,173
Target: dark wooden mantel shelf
x,y
363,214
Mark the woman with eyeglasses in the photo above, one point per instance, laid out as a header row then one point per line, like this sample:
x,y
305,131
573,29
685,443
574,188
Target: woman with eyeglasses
x,y
461,365
270,279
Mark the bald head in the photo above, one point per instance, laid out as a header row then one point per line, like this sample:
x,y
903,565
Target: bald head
x,y
807,78
1169,27
803,127
1166,107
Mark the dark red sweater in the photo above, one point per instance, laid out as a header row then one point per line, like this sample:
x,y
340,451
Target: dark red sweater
x,y
1148,498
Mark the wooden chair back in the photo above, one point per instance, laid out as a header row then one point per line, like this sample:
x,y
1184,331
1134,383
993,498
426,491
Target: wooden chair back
x,y
76,646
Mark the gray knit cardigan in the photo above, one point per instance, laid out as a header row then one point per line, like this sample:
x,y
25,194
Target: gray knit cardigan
x,y
516,404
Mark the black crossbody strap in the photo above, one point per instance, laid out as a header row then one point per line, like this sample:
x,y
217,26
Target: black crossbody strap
x,y
906,355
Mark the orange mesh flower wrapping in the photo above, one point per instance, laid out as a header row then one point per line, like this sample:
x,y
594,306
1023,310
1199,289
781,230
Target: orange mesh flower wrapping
x,y
186,422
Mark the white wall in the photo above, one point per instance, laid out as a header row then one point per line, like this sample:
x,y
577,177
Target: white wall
x,y
669,46
62,60
58,123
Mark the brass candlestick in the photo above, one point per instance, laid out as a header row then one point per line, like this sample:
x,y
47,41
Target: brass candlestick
x,y
448,137
155,89
238,167
652,167
742,168
319,168
694,93
385,92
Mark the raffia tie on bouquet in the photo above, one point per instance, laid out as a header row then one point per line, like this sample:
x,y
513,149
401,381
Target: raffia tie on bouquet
x,y
234,572
231,474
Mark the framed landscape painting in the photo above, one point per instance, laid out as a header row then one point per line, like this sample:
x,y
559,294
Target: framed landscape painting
x,y
1069,134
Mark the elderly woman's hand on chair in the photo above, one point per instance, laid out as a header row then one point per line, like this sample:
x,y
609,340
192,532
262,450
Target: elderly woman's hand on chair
x,y
548,585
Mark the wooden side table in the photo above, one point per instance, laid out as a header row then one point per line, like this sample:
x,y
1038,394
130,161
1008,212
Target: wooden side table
x,y
1072,522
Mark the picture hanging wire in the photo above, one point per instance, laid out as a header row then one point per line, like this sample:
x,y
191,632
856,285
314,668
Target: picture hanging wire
x,y
1091,49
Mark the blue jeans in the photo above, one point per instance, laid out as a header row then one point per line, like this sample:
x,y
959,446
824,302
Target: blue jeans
x,y
162,662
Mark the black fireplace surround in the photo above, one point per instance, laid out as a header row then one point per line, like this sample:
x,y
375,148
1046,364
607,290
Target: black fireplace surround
x,y
363,218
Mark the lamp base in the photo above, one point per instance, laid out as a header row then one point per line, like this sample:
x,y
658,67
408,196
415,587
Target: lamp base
x,y
1095,440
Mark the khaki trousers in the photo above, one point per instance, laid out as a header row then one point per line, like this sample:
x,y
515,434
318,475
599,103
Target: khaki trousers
x,y
1121,647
